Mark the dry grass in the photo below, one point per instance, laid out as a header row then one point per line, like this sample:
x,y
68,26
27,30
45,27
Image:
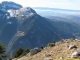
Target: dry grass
x,y
67,59
60,50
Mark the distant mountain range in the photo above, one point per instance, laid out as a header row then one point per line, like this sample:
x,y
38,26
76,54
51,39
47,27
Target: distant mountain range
x,y
55,11
24,27
47,8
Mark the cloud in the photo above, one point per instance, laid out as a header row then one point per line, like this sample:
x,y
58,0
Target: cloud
x,y
64,4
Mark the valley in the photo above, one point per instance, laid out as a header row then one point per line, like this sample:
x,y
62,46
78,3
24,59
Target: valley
x,y
26,27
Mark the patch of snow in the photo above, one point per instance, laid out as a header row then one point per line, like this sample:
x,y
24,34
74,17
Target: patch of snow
x,y
12,12
6,14
9,22
21,12
20,33
8,17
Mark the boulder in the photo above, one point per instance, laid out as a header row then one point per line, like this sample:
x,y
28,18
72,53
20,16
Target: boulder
x,y
14,59
61,58
48,59
75,54
72,46
37,49
47,55
33,51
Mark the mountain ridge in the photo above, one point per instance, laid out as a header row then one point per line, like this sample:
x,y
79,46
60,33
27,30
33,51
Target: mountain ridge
x,y
27,28
60,51
44,8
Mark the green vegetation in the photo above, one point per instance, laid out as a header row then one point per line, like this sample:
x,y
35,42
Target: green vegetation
x,y
2,51
20,52
51,44
25,52
67,59
53,41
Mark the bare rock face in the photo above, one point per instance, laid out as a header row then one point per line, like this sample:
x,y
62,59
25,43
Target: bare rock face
x,y
26,11
75,54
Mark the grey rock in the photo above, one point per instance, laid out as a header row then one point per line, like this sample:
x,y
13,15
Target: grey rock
x,y
48,59
72,46
14,59
47,55
33,51
75,54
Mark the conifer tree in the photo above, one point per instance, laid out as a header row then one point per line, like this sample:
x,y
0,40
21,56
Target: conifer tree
x,y
18,52
2,51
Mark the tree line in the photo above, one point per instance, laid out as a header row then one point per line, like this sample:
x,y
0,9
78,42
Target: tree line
x,y
18,53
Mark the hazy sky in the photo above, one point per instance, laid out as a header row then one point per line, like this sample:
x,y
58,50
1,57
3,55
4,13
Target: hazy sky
x,y
64,4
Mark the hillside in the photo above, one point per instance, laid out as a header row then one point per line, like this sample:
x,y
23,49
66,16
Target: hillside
x,y
19,26
23,26
61,50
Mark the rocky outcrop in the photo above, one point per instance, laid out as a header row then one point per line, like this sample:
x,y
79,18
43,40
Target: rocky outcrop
x,y
75,54
48,59
72,46
34,51
47,55
14,59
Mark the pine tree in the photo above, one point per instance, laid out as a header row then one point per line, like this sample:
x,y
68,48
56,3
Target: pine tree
x,y
18,52
25,52
2,51
51,44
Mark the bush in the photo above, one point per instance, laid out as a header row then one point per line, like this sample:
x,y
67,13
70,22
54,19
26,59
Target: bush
x,y
53,41
51,44
2,51
18,52
25,52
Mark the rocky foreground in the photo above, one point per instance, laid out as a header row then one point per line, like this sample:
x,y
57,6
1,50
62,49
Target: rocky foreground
x,y
63,49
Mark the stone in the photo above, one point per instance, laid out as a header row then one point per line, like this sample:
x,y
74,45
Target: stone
x,y
75,54
33,51
72,46
37,49
14,59
47,55
61,58
48,59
